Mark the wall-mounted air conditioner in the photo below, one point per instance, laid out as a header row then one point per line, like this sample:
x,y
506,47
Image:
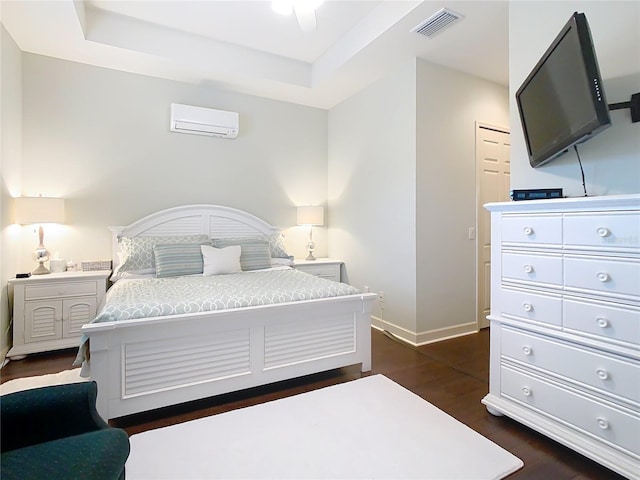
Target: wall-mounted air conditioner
x,y
204,121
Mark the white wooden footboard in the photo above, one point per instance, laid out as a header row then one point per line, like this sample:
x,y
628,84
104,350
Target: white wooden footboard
x,y
141,365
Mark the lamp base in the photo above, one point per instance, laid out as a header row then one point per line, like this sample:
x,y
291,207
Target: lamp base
x,y
311,246
41,270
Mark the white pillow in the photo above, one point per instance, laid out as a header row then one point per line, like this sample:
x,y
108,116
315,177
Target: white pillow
x,y
221,260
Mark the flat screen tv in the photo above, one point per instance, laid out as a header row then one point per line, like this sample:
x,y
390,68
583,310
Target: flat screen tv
x,y
562,102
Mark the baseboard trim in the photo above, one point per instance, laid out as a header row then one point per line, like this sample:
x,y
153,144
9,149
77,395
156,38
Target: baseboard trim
x,y
400,333
424,338
3,356
447,333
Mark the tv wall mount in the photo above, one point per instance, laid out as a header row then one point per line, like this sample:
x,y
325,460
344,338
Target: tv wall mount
x,y
634,105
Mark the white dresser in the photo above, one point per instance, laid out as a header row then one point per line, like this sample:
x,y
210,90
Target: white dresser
x,y
565,323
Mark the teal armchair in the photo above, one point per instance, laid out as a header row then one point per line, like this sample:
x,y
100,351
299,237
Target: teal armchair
x,y
56,433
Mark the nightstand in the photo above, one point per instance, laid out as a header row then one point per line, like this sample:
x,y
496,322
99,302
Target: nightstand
x,y
49,310
328,268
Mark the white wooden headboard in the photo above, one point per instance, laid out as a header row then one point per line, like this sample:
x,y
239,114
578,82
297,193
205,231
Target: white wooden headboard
x,y
216,221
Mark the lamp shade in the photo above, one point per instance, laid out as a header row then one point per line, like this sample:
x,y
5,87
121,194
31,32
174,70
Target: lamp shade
x,y
39,210
310,216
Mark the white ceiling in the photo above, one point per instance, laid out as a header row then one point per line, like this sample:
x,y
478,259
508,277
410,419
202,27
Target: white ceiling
x,y
244,46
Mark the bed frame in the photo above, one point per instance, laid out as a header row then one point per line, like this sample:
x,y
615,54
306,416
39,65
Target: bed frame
x,y
149,363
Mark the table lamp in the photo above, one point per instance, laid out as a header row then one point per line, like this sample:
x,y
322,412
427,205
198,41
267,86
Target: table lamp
x,y
310,216
39,210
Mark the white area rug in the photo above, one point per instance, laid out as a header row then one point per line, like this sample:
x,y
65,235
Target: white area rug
x,y
66,376
368,428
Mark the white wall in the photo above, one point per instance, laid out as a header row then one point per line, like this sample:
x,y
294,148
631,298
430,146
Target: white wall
x,y
372,191
100,139
402,194
611,160
449,103
10,168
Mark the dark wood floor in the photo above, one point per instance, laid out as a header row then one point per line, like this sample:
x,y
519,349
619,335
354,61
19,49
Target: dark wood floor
x,y
452,375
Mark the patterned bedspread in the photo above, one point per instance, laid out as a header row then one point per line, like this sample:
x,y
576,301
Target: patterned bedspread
x,y
156,297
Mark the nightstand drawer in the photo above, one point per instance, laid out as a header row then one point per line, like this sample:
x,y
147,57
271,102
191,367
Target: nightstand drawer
x,y
330,272
581,412
60,289
327,268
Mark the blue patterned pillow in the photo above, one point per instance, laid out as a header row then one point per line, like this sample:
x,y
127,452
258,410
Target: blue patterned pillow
x,y
136,253
277,247
256,254
276,243
178,259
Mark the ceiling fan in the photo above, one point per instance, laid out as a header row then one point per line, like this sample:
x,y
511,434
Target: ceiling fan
x,y
305,11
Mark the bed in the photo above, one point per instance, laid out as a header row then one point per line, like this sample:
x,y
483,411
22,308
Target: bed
x,y
147,362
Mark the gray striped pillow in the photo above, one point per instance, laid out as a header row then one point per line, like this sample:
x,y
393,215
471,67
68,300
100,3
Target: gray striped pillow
x,y
256,254
173,260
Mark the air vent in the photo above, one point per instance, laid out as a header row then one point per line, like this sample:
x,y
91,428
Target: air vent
x,y
436,22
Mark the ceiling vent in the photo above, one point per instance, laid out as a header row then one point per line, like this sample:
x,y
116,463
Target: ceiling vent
x,y
436,22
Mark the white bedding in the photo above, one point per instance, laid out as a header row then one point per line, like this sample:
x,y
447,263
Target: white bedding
x,y
157,297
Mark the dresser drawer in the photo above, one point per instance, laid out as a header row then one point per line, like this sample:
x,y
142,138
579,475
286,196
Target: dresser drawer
x,y
611,275
532,229
544,269
532,307
615,231
602,421
600,371
620,323
60,289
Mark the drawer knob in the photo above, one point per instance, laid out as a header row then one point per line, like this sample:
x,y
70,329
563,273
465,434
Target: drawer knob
x,y
527,350
602,423
528,268
603,232
602,374
603,277
602,322
527,307
528,230
526,391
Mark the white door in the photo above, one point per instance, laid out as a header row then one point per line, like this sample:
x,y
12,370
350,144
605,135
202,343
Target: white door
x,y
493,184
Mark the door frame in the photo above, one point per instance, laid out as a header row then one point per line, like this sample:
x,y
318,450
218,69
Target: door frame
x,y
478,127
